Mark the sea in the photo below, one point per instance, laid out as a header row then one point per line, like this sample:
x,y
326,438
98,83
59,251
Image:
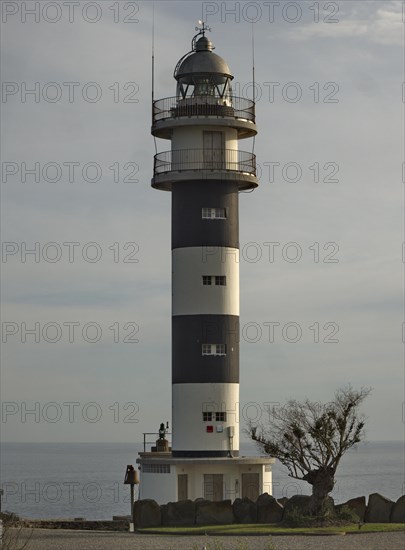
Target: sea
x,y
85,480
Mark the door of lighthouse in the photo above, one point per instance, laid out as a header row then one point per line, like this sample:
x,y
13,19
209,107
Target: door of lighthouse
x,y
214,151
213,487
250,486
182,487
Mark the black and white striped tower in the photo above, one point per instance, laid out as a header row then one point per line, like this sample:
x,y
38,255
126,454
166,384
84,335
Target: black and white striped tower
x,y
205,171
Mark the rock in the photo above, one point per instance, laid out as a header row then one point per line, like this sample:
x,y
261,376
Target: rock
x,y
378,509
268,509
398,511
358,505
122,518
147,513
244,510
178,513
299,502
213,513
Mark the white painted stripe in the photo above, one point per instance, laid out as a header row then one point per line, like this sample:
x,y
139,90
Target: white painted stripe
x,y
190,296
188,428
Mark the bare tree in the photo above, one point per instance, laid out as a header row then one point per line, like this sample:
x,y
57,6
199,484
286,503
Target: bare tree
x,y
311,438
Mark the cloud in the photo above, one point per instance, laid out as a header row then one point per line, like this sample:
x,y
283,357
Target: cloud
x,y
379,26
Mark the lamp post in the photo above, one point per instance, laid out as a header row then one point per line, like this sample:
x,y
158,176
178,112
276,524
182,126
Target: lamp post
x,y
131,479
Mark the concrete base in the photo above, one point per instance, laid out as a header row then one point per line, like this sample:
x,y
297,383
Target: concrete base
x,y
168,479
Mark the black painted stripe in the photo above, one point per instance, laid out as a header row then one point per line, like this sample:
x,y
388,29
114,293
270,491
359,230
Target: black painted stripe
x,y
188,227
189,332
204,454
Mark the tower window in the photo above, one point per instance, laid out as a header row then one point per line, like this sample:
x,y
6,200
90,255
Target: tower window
x,y
220,349
206,349
218,280
209,416
213,349
214,213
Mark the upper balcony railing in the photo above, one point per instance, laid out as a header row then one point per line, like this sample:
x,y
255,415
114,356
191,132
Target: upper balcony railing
x,y
223,160
230,107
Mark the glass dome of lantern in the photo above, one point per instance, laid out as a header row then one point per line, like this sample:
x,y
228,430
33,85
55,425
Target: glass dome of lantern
x,y
203,75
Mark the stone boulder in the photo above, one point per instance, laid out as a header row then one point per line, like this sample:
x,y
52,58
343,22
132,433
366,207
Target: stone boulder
x,y
244,510
378,509
302,504
178,513
358,505
398,511
147,513
268,509
213,513
298,502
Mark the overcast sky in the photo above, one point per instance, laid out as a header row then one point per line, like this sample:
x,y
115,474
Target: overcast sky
x,y
321,237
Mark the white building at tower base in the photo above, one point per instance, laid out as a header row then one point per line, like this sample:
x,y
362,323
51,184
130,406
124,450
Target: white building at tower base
x,y
167,479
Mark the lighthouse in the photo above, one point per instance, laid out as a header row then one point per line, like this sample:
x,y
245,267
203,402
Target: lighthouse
x,y
205,170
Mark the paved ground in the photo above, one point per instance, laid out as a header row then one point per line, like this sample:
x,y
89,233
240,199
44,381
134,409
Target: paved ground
x,y
46,539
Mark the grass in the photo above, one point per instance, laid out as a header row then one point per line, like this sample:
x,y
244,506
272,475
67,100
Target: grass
x,y
272,529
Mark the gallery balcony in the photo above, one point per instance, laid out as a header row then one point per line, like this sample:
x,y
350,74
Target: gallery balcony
x,y
203,164
232,112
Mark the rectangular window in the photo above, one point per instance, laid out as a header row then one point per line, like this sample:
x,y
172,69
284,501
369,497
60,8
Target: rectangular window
x,y
206,349
214,213
207,416
220,416
220,349
156,468
218,280
213,349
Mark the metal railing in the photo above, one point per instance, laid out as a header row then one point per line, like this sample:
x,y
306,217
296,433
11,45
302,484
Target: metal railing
x,y
202,159
153,441
232,106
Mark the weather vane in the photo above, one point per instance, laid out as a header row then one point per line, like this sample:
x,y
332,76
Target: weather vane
x,y
203,28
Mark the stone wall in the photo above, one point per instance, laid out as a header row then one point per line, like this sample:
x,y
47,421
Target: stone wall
x,y
96,525
266,509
